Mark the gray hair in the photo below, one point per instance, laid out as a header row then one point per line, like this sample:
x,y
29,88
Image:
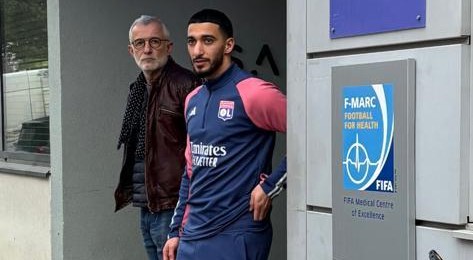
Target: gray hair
x,y
147,19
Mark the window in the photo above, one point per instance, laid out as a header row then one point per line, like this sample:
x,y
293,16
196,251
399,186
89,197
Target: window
x,y
25,86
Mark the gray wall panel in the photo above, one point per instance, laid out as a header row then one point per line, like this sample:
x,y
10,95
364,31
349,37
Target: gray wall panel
x,y
319,129
319,236
296,128
319,240
445,19
441,144
439,240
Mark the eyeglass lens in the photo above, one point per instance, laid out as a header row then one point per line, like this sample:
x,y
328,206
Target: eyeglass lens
x,y
153,42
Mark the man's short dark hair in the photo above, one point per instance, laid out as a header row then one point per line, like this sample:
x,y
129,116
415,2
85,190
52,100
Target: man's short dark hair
x,y
213,16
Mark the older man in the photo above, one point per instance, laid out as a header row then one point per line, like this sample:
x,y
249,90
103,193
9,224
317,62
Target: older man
x,y
153,132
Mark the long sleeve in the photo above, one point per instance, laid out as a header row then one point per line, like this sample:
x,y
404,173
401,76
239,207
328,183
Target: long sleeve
x,y
276,181
266,107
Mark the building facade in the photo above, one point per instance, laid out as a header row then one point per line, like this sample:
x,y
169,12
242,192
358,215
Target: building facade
x,y
59,204
321,40
56,198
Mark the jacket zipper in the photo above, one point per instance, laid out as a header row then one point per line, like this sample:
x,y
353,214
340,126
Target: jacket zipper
x,y
205,108
171,112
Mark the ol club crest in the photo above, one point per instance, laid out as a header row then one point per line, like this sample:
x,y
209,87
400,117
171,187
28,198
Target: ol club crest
x,y
225,110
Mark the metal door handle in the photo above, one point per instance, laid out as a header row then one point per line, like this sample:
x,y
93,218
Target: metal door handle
x,y
433,255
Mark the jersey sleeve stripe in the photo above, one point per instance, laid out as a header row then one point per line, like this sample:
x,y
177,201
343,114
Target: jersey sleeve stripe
x,y
278,187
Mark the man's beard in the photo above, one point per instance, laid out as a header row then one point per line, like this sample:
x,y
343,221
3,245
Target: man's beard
x,y
158,64
214,66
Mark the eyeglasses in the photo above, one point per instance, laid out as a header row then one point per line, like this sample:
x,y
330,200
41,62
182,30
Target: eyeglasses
x,y
154,42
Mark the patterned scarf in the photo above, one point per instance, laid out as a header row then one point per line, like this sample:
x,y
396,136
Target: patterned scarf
x,y
135,116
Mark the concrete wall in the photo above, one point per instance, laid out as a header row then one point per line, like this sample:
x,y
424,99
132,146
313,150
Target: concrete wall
x,y
297,227
89,74
25,217
442,124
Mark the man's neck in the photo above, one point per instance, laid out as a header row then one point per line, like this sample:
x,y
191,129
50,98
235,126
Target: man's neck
x,y
223,68
152,76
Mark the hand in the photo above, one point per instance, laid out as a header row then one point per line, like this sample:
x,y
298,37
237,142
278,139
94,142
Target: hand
x,y
259,203
170,249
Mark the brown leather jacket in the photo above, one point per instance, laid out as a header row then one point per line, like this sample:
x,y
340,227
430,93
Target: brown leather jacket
x,y
165,142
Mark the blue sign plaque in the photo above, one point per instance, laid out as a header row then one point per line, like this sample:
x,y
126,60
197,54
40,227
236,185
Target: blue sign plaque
x,y
367,133
351,18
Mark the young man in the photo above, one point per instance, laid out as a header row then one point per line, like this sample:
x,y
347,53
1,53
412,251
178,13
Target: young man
x,y
232,118
153,132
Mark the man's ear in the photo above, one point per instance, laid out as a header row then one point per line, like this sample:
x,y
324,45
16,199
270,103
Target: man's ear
x,y
130,49
229,45
169,47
